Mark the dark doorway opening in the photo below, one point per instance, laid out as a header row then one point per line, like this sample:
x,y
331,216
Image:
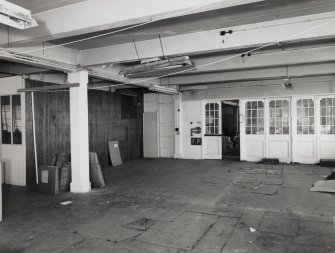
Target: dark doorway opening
x,y
230,129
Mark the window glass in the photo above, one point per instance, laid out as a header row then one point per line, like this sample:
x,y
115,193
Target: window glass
x,y
212,118
305,117
17,122
279,117
254,122
6,120
327,114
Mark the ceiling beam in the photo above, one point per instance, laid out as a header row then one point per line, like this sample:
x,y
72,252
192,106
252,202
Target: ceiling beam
x,y
269,58
246,36
60,66
20,69
49,87
253,74
75,19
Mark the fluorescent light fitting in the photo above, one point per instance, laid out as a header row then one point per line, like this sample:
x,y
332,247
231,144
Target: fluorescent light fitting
x,y
16,16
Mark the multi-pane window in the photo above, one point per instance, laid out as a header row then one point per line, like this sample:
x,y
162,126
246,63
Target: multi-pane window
x,y
305,116
11,122
212,111
327,115
279,117
254,112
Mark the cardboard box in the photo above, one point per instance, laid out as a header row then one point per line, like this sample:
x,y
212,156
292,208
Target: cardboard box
x,y
48,180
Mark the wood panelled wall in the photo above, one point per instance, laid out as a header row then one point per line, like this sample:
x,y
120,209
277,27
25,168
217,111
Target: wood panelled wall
x,y
108,121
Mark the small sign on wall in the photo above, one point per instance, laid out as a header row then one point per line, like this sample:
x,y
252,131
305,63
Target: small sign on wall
x,y
196,141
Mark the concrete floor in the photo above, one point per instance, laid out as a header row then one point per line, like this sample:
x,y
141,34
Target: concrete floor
x,y
188,206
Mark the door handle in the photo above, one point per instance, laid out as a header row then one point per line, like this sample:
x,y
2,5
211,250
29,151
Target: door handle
x,y
241,118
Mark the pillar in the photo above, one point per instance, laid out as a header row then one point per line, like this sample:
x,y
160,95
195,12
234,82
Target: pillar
x,y
79,133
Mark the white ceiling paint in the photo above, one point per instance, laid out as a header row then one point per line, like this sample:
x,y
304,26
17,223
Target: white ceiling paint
x,y
97,15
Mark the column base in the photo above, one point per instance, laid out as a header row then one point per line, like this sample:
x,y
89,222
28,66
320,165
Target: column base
x,y
80,188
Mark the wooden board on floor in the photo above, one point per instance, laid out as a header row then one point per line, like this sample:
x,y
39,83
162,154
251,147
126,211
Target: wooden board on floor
x,y
96,177
1,178
114,153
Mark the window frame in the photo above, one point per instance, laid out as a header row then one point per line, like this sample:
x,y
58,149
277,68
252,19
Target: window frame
x,y
326,109
279,116
216,127
254,122
12,119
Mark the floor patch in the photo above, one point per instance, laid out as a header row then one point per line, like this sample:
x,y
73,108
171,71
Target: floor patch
x,y
142,224
266,189
182,233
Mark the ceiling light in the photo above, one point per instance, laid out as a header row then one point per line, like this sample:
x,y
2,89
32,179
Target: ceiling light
x,y
16,16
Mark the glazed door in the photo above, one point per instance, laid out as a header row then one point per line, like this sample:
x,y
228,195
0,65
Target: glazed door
x,y
252,130
304,133
278,124
326,131
212,138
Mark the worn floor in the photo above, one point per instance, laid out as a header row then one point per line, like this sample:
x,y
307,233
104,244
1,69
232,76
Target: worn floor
x,y
178,206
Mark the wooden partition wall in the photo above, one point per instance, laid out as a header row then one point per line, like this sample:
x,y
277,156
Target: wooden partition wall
x,y
112,116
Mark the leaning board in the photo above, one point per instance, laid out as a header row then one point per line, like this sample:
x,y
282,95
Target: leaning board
x,y
1,169
114,153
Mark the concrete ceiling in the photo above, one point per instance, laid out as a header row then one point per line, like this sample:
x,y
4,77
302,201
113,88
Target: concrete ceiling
x,y
37,6
233,16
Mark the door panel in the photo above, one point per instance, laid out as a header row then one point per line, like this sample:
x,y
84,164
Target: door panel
x,y
212,139
166,126
150,135
252,130
278,124
13,140
304,135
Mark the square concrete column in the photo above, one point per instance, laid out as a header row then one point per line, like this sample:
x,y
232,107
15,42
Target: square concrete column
x,y
80,171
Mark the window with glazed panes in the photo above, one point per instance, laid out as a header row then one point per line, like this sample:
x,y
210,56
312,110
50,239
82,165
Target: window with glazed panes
x,y
279,117
305,117
327,107
212,111
11,122
254,119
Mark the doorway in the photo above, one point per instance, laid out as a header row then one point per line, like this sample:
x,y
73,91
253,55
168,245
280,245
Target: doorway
x,y
230,129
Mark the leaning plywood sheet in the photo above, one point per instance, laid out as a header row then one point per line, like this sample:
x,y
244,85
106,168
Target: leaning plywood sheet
x,y
324,186
96,177
114,153
1,175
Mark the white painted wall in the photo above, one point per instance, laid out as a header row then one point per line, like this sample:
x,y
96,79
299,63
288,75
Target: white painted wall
x,y
14,156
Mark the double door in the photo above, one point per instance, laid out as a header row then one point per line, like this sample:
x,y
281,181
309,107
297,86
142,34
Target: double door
x,y
298,129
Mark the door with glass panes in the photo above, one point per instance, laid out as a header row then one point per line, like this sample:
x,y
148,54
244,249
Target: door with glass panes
x,y
278,124
12,146
252,130
212,135
304,132
326,131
